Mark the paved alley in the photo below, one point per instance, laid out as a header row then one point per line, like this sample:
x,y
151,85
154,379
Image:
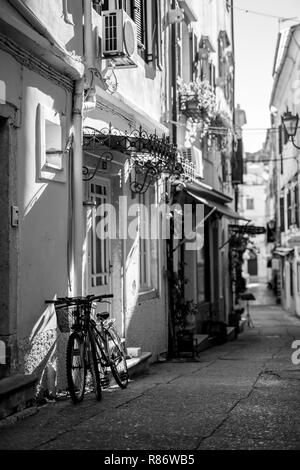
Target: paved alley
x,y
241,395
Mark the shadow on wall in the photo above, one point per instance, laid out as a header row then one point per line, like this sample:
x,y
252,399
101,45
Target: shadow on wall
x,y
43,274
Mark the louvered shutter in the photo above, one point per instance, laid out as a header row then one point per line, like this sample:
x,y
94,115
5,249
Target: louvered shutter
x,y
296,205
138,18
155,40
282,224
289,208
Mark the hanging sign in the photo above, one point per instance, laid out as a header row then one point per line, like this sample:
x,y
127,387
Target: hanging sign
x,y
247,229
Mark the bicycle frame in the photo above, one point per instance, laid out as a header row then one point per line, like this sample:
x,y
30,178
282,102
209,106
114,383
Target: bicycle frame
x,y
101,341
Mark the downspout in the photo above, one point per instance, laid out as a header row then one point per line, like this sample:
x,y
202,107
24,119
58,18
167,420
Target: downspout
x,y
170,241
77,181
236,188
80,255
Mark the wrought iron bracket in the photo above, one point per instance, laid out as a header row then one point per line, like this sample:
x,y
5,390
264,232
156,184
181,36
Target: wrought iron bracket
x,y
149,155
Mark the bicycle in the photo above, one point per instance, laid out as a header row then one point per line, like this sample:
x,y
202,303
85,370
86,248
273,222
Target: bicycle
x,y
93,345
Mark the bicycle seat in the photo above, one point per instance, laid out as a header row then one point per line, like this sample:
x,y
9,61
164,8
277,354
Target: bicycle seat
x,y
103,315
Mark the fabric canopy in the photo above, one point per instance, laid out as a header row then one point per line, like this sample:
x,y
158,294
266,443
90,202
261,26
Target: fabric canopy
x,y
224,210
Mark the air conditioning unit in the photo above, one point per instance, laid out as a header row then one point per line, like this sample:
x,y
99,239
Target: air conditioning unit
x,y
119,38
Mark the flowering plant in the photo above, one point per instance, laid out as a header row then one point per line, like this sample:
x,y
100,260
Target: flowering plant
x,y
200,93
220,125
221,119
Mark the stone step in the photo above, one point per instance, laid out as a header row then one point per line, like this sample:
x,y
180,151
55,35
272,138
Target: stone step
x,y
230,333
139,365
16,393
201,342
242,324
193,344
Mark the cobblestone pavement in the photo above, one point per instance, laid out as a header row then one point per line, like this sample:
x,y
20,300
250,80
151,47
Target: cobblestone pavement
x,y
241,395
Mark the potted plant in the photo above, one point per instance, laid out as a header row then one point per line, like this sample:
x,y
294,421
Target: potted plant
x,y
197,99
220,125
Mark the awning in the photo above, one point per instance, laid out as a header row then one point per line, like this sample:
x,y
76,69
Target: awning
x,y
282,251
207,192
224,210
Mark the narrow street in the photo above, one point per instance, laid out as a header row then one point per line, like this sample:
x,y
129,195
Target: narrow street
x,y
241,395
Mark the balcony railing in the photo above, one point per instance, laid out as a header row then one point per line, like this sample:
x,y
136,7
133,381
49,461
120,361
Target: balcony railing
x,y
189,170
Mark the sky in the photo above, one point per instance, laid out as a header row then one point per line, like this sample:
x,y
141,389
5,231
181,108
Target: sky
x,y
255,45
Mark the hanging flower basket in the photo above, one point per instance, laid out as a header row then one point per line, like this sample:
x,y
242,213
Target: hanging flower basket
x,y
220,129
197,99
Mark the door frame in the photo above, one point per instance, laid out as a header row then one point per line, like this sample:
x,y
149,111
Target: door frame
x,y
97,180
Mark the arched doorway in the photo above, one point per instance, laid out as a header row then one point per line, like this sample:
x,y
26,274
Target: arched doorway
x,y
252,264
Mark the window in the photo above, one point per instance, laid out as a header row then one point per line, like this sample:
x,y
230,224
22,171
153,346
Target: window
x,y
51,156
147,16
99,248
291,280
203,267
212,75
179,49
148,248
193,56
282,223
250,204
296,205
156,34
298,277
289,208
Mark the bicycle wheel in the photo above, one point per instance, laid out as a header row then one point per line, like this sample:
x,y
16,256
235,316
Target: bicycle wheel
x,y
117,360
94,360
76,366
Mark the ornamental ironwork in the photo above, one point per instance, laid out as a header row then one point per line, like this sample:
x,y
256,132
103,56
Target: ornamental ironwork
x,y
247,229
149,155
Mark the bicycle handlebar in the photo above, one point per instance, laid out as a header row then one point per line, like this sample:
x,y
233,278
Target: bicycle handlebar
x,y
68,301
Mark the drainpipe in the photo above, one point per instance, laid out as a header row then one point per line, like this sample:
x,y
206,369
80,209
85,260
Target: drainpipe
x,y
170,242
236,187
88,34
78,287
89,57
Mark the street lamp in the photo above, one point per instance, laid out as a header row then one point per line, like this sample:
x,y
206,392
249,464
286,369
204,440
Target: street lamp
x,y
290,124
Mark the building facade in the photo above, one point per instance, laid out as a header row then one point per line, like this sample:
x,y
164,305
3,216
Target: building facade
x,y
283,193
252,205
98,128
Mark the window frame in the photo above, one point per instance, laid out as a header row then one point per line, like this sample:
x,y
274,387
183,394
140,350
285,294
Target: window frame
x,y
248,199
46,170
150,287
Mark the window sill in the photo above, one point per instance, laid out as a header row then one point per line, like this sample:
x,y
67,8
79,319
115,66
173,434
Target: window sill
x,y
148,295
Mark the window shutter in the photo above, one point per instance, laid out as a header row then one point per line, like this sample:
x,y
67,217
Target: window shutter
x,y
280,140
296,205
193,55
138,17
282,225
220,53
179,49
156,34
187,154
289,208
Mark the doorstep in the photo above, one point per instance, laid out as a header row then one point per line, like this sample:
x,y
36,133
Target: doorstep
x,y
139,365
16,393
201,342
242,324
230,333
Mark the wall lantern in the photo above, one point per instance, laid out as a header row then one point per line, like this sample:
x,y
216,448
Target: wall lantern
x,y
290,124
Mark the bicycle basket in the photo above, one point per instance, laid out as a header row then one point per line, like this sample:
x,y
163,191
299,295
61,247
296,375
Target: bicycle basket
x,y
64,318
